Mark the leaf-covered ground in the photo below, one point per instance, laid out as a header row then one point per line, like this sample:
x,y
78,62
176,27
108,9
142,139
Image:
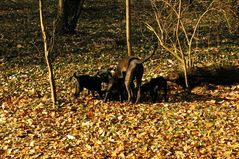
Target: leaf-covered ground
x,y
204,124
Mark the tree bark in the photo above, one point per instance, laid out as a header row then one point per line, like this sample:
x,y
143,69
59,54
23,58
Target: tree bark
x,y
68,15
128,28
49,66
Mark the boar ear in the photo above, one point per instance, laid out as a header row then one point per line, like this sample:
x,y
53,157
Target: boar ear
x,y
101,71
74,75
112,73
76,89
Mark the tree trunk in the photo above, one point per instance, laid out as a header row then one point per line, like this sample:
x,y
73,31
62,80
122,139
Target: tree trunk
x,y
49,66
128,28
60,23
68,15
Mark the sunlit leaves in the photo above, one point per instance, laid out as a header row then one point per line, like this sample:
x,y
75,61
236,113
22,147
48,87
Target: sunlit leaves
x,y
202,127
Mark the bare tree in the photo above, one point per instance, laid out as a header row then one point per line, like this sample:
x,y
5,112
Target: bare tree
x,y
174,32
47,51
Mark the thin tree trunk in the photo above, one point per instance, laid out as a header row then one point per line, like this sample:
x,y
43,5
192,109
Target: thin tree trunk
x,y
185,70
128,28
49,66
60,8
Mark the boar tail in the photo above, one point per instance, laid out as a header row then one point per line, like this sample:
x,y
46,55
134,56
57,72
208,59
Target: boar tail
x,y
153,52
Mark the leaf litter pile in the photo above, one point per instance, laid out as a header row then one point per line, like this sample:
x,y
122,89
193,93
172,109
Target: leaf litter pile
x,y
204,124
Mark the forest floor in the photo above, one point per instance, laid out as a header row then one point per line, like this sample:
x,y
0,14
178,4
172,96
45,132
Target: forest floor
x,y
204,124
